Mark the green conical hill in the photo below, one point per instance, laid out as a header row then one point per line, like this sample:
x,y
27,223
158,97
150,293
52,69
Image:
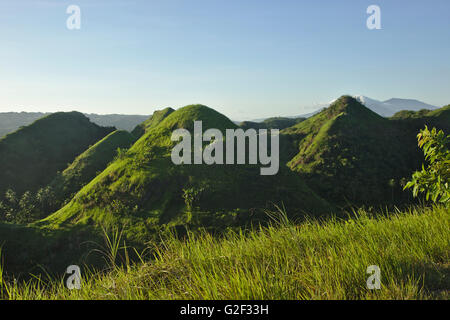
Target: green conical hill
x,y
351,155
144,189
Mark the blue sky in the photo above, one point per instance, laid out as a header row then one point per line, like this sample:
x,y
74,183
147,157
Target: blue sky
x,y
247,59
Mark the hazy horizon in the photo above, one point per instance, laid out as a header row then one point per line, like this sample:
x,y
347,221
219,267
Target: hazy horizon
x,y
311,108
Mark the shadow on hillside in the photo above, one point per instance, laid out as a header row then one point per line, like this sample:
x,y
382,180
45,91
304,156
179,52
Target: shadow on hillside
x,y
30,251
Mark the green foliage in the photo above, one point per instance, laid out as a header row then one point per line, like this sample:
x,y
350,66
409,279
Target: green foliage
x,y
120,154
110,251
29,207
434,180
191,196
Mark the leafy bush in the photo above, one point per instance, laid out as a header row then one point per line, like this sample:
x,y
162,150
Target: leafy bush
x,y
434,180
29,207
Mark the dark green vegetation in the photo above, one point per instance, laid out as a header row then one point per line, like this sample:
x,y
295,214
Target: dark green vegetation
x,y
350,155
271,123
29,250
343,157
32,156
29,206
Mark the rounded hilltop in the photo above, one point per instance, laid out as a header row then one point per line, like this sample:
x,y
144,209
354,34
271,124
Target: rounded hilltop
x,y
351,106
185,117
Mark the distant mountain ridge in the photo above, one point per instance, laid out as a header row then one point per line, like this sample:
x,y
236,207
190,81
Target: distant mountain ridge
x,y
11,121
384,108
389,107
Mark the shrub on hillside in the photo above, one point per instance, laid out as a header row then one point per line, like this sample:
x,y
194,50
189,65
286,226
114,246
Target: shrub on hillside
x,y
434,180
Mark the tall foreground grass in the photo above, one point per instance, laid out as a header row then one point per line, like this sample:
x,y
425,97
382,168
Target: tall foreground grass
x,y
313,260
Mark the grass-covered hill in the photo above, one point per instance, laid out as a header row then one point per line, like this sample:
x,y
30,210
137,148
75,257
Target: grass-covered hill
x,y
151,122
312,260
271,123
90,163
349,154
144,189
32,156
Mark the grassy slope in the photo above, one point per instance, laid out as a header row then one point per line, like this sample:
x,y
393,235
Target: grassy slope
x,y
90,163
349,153
143,189
32,156
310,261
151,122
